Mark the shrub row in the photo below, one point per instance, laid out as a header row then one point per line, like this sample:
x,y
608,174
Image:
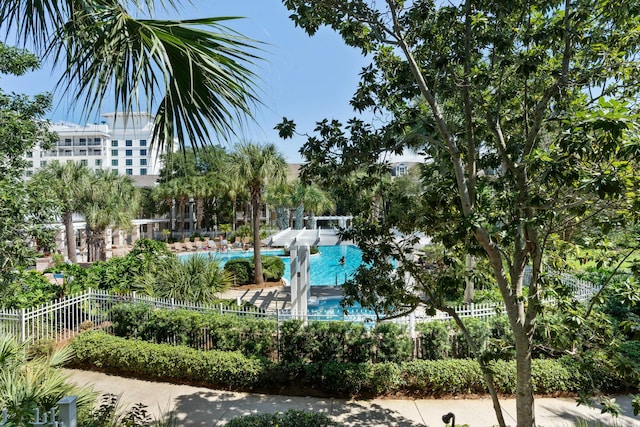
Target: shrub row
x,y
235,371
226,332
290,418
162,361
316,342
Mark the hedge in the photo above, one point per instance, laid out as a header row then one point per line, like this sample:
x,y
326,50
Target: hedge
x,y
168,362
317,342
232,370
291,418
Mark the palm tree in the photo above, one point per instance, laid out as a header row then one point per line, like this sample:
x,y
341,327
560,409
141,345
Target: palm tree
x,y
166,193
280,197
317,200
67,181
233,188
195,72
109,201
256,166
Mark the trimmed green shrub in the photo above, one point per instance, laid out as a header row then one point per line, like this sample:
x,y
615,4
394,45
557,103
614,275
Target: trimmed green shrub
x,y
211,330
241,269
234,371
440,377
393,343
434,340
129,319
290,418
216,368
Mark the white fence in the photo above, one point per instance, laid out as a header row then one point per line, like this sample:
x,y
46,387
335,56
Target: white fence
x,y
62,319
63,415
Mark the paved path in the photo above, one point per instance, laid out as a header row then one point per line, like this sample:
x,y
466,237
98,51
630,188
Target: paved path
x,y
197,406
276,297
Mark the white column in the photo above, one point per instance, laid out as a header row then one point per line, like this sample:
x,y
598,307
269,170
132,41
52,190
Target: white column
x,y
304,288
293,256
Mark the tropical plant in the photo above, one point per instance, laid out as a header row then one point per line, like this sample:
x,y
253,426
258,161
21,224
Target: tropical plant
x,y
256,166
194,72
109,200
67,181
29,384
198,279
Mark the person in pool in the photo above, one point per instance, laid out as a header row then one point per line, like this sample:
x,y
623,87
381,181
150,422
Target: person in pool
x,y
342,260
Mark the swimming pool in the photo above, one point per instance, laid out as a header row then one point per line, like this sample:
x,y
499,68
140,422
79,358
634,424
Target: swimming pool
x,y
325,266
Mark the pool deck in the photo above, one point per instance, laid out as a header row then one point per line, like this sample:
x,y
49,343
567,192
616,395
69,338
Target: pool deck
x,y
272,298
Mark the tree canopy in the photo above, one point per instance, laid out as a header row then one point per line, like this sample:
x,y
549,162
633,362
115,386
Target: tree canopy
x,y
194,74
525,113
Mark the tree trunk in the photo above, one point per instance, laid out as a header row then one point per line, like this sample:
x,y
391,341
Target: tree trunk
x,y
71,237
199,213
235,216
525,410
257,261
299,218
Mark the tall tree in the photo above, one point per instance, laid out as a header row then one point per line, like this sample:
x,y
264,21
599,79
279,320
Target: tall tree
x,y
67,181
195,73
256,166
109,200
525,112
24,210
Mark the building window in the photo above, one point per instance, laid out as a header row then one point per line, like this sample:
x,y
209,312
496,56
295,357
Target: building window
x,y
114,162
29,173
128,143
114,153
143,162
143,171
43,163
29,154
98,141
129,171
129,162
83,162
30,164
83,141
143,152
83,152
143,143
98,162
114,143
114,171
129,153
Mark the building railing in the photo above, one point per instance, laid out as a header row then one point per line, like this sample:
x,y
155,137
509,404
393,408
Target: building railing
x,y
62,319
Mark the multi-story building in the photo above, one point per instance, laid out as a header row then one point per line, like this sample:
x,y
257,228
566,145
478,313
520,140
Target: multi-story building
x,y
121,144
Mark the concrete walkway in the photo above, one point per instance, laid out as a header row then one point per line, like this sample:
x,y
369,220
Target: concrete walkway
x,y
197,406
276,297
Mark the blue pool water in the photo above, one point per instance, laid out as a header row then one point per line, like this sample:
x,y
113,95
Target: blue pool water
x,y
325,266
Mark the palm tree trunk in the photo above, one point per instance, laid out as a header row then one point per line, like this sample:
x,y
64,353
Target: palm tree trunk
x,y
257,261
70,236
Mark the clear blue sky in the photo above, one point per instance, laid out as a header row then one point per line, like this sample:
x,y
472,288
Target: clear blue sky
x,y
303,78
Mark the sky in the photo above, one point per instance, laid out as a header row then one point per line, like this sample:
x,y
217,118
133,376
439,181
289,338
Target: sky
x,y
302,78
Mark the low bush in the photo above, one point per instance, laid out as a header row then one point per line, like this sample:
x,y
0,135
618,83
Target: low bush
x,y
290,418
210,330
162,361
232,370
241,269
